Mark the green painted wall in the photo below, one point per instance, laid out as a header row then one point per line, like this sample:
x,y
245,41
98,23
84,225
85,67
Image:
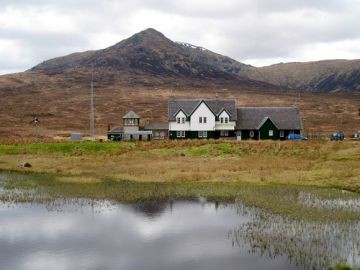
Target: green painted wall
x,y
264,131
230,132
245,135
191,135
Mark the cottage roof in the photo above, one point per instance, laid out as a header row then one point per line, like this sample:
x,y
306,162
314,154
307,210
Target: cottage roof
x,y
131,115
189,105
156,127
287,118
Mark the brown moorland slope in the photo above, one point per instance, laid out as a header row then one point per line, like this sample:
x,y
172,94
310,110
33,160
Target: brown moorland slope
x,y
62,102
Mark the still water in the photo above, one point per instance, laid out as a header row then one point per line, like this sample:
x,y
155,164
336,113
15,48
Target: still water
x,y
102,235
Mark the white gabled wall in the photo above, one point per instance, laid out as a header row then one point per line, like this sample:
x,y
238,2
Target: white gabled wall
x,y
224,114
223,126
202,111
173,125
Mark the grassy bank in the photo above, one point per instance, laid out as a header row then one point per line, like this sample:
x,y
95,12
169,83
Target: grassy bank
x,y
313,163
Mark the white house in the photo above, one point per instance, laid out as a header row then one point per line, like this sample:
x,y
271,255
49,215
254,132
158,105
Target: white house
x,y
201,118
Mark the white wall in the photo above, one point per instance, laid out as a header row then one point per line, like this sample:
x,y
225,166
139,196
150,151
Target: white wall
x,y
173,125
222,126
202,111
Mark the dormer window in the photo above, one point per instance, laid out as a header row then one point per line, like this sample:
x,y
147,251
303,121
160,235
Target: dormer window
x,y
200,120
221,120
226,120
178,120
183,120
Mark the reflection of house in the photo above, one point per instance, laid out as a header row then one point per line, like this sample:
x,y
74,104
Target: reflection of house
x,y
196,118
273,123
130,130
219,118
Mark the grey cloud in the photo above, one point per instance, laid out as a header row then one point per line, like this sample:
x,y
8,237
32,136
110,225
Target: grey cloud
x,y
246,29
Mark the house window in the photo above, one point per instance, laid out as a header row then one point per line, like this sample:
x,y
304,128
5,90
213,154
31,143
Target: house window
x,y
183,120
271,133
178,120
180,134
226,120
221,120
200,120
224,133
202,134
281,133
251,134
204,120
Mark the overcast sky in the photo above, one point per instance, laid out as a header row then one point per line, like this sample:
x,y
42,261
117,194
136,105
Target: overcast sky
x,y
256,32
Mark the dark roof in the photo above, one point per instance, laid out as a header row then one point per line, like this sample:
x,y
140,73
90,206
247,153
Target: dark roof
x,y
156,126
116,129
286,118
130,115
189,105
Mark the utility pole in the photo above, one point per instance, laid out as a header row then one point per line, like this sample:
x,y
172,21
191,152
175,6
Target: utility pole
x,y
91,118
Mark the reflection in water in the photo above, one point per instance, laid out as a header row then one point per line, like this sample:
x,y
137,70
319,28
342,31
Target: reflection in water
x,y
86,234
83,234
150,209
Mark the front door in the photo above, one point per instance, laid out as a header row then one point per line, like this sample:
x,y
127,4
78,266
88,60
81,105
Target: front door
x,y
140,137
238,135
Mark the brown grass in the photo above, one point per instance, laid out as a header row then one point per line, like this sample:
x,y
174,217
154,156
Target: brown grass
x,y
313,163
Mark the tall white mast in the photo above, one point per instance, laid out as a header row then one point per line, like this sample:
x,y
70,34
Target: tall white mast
x,y
91,118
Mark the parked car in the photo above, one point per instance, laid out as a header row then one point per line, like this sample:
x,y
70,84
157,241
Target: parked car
x,y
296,137
337,136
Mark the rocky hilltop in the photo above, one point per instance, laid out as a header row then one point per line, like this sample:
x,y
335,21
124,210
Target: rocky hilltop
x,y
151,53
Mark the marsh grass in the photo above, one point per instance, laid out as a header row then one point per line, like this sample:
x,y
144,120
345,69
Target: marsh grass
x,y
287,200
311,244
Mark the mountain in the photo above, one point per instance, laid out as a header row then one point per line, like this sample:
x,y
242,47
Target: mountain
x,y
321,76
150,52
